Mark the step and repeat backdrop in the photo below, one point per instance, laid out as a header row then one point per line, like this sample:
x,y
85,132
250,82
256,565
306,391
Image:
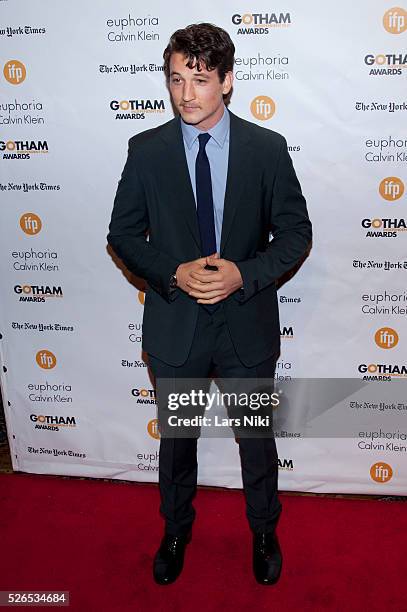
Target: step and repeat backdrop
x,y
78,79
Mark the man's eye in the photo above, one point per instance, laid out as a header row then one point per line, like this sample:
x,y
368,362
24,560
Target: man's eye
x,y
175,80
201,80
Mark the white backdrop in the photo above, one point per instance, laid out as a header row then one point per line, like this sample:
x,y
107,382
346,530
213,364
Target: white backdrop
x,y
78,397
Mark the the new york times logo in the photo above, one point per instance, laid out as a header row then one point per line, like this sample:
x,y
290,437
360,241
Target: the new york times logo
x,y
21,31
56,452
132,69
388,107
385,264
28,187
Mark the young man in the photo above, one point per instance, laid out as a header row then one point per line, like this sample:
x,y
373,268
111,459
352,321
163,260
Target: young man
x,y
208,187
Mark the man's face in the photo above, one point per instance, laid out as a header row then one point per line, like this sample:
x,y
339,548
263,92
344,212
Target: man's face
x,y
197,95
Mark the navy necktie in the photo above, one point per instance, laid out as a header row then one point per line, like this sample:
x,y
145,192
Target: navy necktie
x,y
204,204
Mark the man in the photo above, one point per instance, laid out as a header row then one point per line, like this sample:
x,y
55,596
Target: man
x,y
208,187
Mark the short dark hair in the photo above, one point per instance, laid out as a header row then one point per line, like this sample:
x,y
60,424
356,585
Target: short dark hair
x,y
202,43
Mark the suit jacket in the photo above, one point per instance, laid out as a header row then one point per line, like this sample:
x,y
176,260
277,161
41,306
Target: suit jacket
x,y
155,196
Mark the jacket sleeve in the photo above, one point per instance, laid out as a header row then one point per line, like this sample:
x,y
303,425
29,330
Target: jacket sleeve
x,y
128,231
291,229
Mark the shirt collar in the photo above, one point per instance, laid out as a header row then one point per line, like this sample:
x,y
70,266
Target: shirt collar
x,y
219,132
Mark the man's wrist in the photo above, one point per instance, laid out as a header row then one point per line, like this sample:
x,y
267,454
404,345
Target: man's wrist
x,y
173,281
173,285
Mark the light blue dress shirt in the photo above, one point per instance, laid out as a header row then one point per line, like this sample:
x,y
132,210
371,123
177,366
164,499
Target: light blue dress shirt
x,y
217,150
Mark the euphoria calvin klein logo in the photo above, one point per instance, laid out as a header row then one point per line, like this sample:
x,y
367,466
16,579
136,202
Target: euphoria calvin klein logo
x,y
30,223
45,359
14,72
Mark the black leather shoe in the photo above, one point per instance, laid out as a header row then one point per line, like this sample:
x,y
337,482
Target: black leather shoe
x,y
267,558
169,559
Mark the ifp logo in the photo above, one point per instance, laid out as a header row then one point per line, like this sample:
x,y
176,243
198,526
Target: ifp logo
x,y
152,428
45,359
386,337
381,472
263,108
30,223
14,72
395,20
391,188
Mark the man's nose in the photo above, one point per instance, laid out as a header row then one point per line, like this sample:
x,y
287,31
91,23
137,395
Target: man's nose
x,y
188,92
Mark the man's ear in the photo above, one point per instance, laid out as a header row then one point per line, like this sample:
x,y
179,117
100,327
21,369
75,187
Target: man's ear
x,y
227,83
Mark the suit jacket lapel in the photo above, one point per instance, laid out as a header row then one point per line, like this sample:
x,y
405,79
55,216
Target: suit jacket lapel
x,y
175,163
237,175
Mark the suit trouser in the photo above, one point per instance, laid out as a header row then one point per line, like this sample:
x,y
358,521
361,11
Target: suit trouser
x,y
212,347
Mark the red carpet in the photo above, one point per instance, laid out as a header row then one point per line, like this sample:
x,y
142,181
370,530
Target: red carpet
x,y
97,539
